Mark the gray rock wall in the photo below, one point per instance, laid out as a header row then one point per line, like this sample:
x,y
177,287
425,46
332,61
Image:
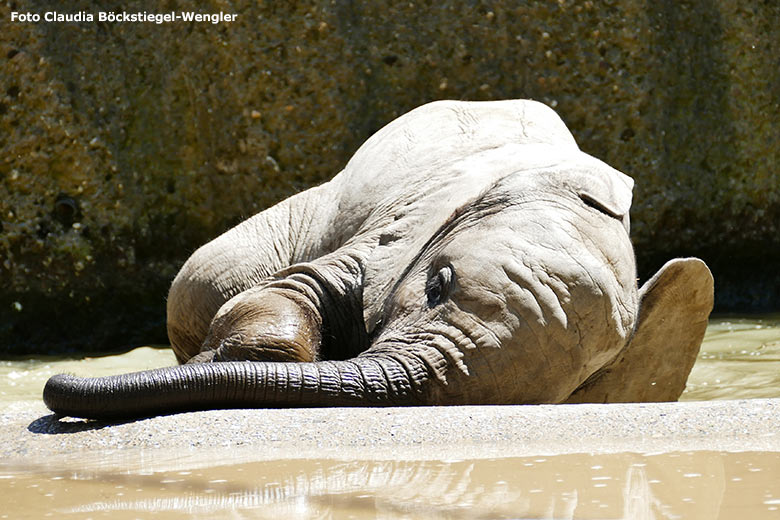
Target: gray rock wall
x,y
126,145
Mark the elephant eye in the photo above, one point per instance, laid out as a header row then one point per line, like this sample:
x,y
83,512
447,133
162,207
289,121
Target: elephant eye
x,y
601,207
439,286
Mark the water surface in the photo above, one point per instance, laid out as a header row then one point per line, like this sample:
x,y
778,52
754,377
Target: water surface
x,y
740,358
686,485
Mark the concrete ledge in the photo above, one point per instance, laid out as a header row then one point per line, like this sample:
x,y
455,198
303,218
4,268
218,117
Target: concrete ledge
x,y
29,432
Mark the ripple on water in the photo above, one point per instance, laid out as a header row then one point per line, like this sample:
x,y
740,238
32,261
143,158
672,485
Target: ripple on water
x,y
739,359
698,484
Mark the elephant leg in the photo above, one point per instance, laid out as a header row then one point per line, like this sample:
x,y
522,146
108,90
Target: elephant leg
x,y
263,324
303,313
673,309
238,260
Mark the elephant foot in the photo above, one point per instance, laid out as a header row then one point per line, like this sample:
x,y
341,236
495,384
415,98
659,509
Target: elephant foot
x,y
263,324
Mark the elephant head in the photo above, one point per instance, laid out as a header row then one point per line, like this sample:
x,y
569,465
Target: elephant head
x,y
469,253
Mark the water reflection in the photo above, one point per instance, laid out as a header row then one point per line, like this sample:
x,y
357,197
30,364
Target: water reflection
x,y
739,358
688,485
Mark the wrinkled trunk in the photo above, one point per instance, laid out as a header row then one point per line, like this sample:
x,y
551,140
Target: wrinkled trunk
x,y
362,381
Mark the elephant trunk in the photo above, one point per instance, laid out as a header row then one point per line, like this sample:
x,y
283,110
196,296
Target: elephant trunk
x,y
362,381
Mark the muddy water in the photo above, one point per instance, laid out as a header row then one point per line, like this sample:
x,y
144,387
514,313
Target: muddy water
x,y
740,359
23,380
689,485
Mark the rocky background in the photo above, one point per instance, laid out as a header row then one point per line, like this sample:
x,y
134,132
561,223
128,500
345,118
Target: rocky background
x,y
125,146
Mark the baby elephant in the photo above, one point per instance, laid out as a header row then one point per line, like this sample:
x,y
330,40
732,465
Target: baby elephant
x,y
468,253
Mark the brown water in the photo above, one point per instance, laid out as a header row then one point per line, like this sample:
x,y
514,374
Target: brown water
x,y
740,358
689,485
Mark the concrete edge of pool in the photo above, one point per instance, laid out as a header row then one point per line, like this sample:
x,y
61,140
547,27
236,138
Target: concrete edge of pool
x,y
29,432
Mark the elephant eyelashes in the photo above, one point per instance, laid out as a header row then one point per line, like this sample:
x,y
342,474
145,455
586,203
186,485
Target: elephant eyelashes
x,y
438,287
600,206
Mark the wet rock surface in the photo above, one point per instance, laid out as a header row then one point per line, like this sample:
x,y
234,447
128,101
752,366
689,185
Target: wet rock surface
x,y
126,145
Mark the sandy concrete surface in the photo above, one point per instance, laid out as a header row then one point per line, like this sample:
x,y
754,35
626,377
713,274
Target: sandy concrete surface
x,y
29,432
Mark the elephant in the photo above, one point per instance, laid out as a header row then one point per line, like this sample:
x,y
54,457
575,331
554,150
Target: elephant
x,y
468,253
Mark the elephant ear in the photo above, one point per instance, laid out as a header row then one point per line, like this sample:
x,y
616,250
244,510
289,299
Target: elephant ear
x,y
673,309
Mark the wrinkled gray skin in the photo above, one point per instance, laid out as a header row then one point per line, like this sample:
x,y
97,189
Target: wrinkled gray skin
x,y
469,253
